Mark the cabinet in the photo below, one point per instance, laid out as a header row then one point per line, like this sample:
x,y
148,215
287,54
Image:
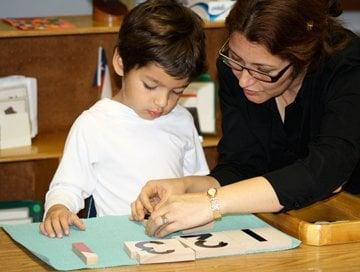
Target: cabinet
x,y
350,4
64,62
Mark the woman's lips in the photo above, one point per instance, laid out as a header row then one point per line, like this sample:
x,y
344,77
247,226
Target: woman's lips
x,y
249,92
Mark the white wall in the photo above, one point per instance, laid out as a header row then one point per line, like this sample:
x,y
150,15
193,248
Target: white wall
x,y
352,20
32,8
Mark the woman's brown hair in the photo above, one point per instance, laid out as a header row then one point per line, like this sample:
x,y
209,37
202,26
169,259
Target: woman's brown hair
x,y
301,31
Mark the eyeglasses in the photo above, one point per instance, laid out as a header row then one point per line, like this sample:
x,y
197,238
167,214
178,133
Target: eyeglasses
x,y
235,65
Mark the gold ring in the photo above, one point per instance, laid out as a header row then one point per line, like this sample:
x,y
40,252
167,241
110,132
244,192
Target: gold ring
x,y
164,219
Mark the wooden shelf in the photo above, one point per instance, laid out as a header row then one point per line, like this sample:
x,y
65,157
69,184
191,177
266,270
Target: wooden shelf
x,y
84,25
210,140
44,146
350,5
335,220
51,145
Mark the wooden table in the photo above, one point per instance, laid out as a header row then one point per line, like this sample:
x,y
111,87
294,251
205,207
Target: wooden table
x,y
343,257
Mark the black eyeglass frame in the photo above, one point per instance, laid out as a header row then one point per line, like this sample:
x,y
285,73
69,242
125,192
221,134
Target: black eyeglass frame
x,y
227,61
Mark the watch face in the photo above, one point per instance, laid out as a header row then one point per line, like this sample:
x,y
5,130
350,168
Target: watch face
x,y
211,192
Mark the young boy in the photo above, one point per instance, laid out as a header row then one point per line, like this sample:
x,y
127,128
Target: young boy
x,y
141,134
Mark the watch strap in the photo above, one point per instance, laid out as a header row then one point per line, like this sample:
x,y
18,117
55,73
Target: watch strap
x,y
214,203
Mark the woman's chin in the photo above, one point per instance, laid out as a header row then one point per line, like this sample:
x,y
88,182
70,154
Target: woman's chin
x,y
257,99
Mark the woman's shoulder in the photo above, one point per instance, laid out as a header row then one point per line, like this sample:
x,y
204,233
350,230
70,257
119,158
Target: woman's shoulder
x,y
353,46
349,55
331,78
341,65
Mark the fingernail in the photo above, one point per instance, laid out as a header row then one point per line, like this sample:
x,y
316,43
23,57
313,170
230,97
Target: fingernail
x,y
59,236
52,235
66,232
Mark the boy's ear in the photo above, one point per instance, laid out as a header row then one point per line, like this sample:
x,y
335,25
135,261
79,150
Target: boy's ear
x,y
118,64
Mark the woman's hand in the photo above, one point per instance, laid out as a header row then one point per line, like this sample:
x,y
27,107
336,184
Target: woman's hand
x,y
57,222
179,212
153,194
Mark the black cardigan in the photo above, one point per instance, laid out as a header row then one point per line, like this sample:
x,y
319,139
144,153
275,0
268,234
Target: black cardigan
x,y
314,151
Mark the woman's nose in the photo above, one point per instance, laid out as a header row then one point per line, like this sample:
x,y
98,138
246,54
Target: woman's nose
x,y
245,79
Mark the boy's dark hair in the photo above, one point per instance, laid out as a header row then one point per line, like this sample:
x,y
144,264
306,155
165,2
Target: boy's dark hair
x,y
165,32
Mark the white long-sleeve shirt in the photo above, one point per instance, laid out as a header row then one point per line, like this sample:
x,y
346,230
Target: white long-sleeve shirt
x,y
111,153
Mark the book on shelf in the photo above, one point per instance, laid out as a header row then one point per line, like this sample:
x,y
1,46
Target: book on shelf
x,y
18,111
200,96
39,23
12,216
20,212
14,213
16,221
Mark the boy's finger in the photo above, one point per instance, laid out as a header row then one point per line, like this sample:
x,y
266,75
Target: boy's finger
x,y
139,210
42,229
134,214
75,220
57,227
49,228
64,222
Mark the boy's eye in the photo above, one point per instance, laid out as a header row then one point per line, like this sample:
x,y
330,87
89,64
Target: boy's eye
x,y
149,87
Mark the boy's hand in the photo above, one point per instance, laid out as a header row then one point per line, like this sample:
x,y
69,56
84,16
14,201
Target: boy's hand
x,y
57,222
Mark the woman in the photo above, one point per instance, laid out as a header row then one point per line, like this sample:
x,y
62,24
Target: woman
x,y
290,99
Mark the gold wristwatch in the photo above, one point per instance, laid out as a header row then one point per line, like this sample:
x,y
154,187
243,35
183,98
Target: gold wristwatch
x,y
214,203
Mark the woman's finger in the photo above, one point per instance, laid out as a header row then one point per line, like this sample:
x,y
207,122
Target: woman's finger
x,y
156,220
166,229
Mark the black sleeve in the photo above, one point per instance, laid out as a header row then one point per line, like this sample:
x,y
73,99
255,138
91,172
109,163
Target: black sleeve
x,y
241,155
334,152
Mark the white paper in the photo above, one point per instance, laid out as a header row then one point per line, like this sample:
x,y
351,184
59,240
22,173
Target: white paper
x,y
15,87
14,130
201,95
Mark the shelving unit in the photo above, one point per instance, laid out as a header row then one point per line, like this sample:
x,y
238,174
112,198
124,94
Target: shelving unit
x,y
84,25
64,61
50,146
350,4
44,146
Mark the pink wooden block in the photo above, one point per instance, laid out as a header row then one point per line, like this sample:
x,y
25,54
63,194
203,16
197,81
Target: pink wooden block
x,y
85,253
